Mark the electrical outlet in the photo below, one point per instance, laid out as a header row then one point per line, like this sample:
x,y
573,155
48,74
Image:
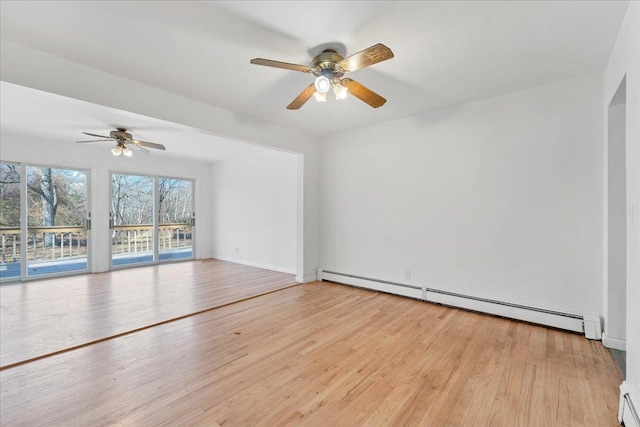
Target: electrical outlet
x,y
407,274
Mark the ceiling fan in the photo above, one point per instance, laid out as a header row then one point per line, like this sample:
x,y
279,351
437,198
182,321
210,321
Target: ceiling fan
x,y
123,139
329,68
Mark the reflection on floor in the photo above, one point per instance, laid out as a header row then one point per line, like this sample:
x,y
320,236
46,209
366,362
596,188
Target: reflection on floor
x,y
11,270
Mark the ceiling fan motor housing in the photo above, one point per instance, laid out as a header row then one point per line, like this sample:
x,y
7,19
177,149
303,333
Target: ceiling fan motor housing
x,y
326,63
121,133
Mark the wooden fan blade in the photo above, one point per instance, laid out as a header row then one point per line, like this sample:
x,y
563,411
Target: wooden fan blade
x,y
148,144
363,94
302,98
139,147
373,55
98,136
278,64
94,140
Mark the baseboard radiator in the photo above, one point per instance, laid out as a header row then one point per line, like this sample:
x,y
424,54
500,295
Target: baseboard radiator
x,y
589,325
628,412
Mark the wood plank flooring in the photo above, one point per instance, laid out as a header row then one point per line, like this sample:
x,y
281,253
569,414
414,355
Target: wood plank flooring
x,y
322,355
46,316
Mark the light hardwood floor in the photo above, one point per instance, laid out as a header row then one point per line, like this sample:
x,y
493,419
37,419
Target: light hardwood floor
x,y
47,316
323,355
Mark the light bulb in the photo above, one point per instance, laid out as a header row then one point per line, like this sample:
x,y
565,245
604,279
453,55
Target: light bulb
x,y
320,97
127,152
339,91
117,150
322,84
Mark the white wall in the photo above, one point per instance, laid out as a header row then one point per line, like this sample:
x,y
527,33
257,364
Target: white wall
x,y
101,163
254,212
499,199
625,62
28,67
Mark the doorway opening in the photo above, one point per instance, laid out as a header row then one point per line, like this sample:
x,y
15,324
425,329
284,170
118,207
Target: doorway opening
x,y
616,301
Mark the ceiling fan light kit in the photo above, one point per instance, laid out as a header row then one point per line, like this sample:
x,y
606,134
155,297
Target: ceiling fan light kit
x,y
339,91
122,139
320,96
329,68
119,149
322,84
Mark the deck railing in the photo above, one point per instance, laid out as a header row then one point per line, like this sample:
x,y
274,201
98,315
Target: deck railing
x,y
128,239
174,236
60,242
10,244
44,243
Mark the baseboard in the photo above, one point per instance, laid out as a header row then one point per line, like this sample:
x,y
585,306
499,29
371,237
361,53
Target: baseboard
x,y
541,316
629,404
616,343
378,285
255,264
568,321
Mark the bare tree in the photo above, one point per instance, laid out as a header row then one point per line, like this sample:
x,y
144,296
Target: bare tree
x,y
9,195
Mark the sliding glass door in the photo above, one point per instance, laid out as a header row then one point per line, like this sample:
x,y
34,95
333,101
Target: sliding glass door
x,y
10,196
175,218
57,220
44,221
140,237
132,219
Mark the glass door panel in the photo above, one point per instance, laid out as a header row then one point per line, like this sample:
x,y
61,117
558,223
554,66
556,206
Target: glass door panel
x,y
10,261
132,236
57,213
175,218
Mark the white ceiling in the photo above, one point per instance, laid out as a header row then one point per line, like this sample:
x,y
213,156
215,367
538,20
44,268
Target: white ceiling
x,y
446,53
30,113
